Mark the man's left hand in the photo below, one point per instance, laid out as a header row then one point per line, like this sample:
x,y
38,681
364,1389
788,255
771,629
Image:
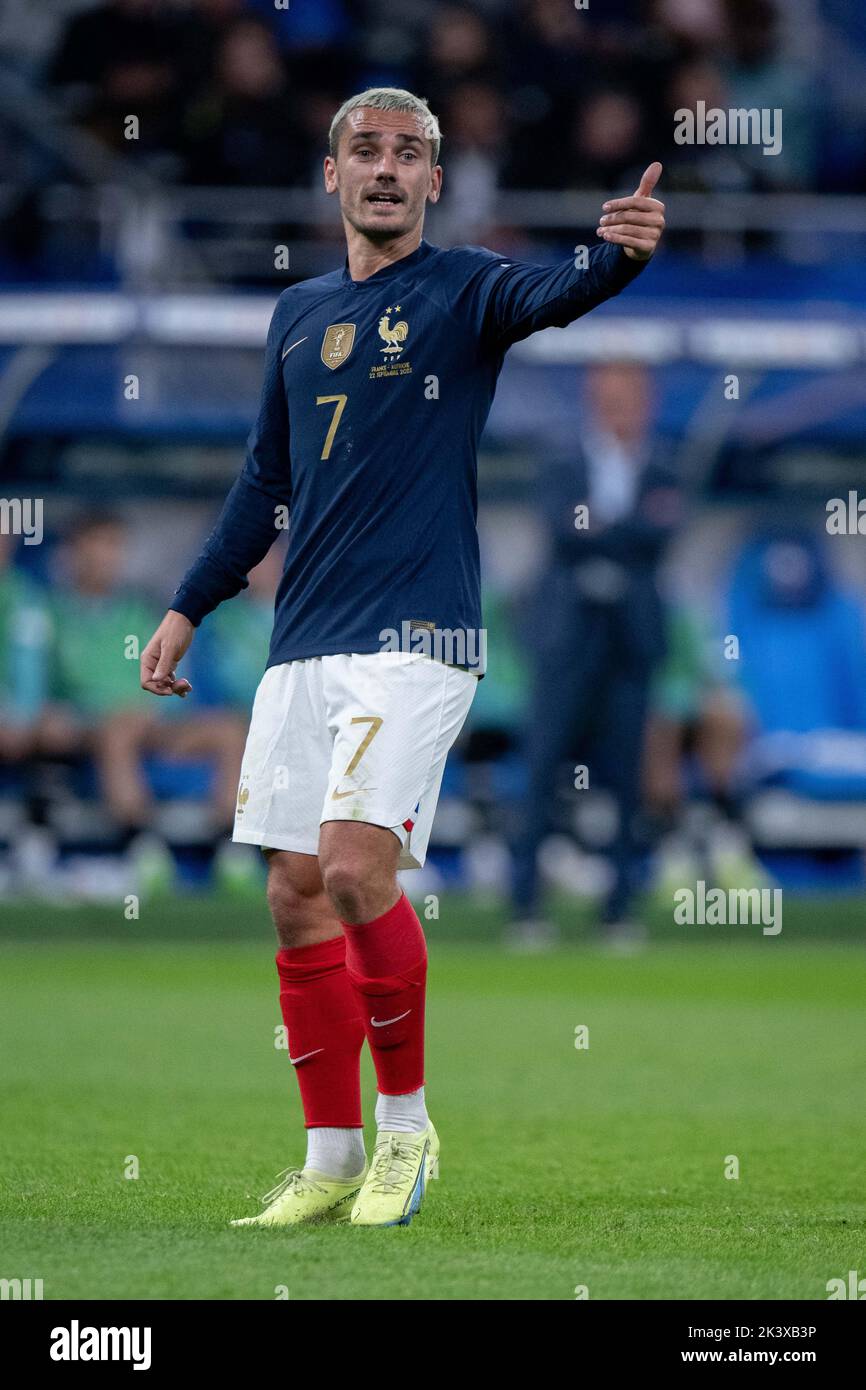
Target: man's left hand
x,y
636,223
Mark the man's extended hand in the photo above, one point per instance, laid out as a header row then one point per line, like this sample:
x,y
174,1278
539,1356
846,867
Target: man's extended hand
x,y
636,222
162,653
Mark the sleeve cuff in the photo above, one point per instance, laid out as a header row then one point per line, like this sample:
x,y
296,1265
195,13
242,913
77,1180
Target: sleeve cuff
x,y
624,267
191,603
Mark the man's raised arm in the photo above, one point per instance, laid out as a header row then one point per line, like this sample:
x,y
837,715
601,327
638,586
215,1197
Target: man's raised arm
x,y
524,298
244,533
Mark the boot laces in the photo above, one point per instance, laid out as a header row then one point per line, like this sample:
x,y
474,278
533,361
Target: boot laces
x,y
393,1163
291,1179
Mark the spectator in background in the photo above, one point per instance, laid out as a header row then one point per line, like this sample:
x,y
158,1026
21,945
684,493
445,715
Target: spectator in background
x,y
208,21
689,27
96,707
759,75
585,93
607,142
23,658
233,647
321,43
545,70
125,58
490,742
242,129
459,49
499,707
808,717
547,41
696,736
599,629
702,168
474,119
313,30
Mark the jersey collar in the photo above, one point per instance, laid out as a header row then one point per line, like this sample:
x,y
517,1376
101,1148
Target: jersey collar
x,y
388,272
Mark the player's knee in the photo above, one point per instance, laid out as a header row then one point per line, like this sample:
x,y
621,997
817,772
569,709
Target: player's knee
x,y
293,904
354,887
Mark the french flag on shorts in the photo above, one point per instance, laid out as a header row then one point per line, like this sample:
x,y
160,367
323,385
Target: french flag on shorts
x,y
410,821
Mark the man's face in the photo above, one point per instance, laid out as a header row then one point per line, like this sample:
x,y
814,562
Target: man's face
x,y
97,558
383,173
620,399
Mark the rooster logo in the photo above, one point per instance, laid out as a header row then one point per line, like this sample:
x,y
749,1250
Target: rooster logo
x,y
393,337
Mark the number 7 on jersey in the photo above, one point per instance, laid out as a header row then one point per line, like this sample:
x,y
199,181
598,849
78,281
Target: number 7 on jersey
x,y
340,402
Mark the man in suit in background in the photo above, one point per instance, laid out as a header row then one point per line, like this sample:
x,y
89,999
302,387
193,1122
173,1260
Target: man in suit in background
x,y
610,506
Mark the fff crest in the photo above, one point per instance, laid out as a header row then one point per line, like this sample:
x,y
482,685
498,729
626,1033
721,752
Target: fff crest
x,y
337,343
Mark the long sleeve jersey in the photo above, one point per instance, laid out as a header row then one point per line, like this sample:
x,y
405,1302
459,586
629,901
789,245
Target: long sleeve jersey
x,y
375,395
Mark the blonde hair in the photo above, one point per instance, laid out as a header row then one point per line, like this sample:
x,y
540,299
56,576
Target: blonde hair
x,y
388,99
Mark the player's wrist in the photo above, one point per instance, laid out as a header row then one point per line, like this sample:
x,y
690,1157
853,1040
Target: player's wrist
x,y
175,613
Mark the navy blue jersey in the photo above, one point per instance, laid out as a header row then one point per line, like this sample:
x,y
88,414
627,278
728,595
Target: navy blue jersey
x,y
375,395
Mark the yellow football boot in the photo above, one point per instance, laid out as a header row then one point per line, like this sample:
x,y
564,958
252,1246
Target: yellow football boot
x,y
302,1195
397,1179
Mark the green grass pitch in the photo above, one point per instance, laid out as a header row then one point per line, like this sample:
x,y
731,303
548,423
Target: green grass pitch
x,y
601,1167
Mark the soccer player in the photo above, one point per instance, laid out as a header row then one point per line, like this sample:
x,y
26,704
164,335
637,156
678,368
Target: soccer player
x,y
378,380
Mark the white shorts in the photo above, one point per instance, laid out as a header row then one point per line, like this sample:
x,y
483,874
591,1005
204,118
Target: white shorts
x,y
354,736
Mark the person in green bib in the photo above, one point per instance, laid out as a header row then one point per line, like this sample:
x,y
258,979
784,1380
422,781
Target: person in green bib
x,y
24,632
96,705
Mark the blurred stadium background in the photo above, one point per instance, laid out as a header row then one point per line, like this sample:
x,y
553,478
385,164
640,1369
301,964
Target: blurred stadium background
x,y
137,277
714,411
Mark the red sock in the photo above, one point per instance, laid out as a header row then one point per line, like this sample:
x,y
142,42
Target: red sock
x,y
325,1032
386,961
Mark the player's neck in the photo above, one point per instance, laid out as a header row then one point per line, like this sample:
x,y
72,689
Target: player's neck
x,y
366,256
